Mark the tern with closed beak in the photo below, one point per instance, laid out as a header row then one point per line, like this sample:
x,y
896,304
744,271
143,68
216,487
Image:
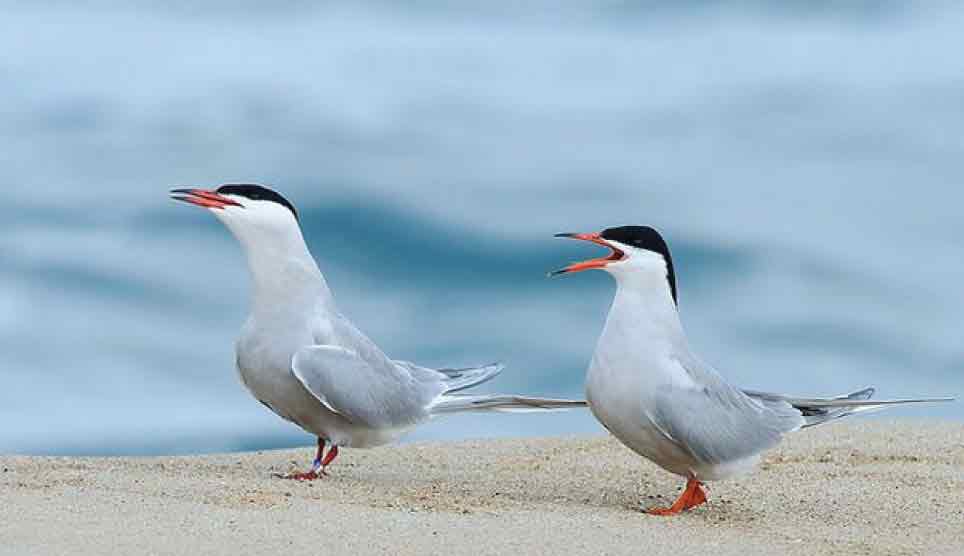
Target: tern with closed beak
x,y
653,394
306,362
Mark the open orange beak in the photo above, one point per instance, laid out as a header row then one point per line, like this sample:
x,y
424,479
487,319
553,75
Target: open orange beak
x,y
614,255
203,198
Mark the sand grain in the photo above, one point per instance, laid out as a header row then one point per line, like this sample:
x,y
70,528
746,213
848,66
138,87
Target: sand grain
x,y
870,487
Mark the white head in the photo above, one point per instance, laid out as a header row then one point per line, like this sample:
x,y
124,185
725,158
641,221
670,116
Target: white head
x,y
639,256
266,225
261,219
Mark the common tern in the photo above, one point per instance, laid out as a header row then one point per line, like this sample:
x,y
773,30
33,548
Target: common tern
x,y
653,394
305,361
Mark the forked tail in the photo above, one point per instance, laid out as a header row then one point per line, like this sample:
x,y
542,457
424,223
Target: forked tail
x,y
460,379
458,404
817,411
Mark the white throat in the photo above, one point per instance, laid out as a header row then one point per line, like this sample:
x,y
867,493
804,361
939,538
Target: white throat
x,y
643,298
284,275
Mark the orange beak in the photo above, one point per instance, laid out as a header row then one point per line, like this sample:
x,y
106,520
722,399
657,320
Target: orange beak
x,y
203,198
614,256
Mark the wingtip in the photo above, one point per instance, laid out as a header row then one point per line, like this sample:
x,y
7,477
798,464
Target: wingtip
x,y
864,394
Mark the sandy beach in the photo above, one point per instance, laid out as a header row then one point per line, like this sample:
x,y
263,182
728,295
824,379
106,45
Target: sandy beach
x,y
864,487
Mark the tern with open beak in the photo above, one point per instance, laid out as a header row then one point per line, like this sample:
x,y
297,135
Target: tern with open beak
x,y
306,362
653,394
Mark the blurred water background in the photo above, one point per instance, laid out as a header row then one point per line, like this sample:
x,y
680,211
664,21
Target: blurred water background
x,y
805,161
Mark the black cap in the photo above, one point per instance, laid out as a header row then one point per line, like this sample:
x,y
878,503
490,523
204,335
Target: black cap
x,y
257,193
645,237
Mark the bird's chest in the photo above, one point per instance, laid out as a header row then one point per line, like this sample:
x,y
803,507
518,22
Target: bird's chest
x,y
621,384
626,370
264,366
614,395
620,401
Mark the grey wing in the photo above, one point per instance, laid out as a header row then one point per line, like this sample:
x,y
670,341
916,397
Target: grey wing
x,y
715,422
375,394
419,373
455,379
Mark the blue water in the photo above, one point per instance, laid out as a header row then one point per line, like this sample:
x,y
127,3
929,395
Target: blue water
x,y
805,164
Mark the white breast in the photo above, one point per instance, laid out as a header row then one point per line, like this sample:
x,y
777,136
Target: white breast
x,y
633,359
264,368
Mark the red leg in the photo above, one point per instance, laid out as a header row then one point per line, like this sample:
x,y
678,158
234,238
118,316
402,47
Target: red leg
x,y
693,495
317,466
332,454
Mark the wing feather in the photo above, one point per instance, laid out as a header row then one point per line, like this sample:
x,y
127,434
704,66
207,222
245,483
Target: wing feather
x,y
375,394
717,423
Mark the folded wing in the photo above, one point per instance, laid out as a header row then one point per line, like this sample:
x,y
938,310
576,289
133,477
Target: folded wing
x,y
715,422
376,393
718,426
456,379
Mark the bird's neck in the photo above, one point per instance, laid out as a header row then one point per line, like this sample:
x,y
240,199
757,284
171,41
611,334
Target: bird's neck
x,y
644,304
284,275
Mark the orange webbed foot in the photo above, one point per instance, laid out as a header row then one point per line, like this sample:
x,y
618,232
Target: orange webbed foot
x,y
317,467
306,476
692,496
